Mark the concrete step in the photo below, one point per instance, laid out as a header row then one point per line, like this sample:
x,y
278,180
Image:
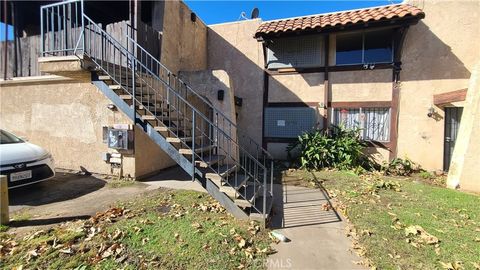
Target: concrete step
x,y
257,214
223,171
200,149
235,180
162,128
247,194
209,160
182,139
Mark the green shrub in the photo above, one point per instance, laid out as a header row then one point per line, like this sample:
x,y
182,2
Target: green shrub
x,y
426,175
401,167
338,148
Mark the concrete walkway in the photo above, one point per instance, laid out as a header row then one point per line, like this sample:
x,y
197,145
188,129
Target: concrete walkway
x,y
317,237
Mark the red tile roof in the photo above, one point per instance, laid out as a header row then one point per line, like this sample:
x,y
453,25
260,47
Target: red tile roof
x,y
339,19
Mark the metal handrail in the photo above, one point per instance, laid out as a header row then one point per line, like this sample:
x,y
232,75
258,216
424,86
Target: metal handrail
x,y
197,94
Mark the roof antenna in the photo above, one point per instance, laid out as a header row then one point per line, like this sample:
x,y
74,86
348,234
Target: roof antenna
x,y
255,13
243,16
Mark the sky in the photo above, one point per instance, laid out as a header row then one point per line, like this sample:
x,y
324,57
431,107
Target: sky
x,y
213,12
2,32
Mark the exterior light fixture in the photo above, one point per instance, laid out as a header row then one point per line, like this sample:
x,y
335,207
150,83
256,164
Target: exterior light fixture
x,y
220,94
112,107
431,111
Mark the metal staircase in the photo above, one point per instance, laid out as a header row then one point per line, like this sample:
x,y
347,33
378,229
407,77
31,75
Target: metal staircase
x,y
199,137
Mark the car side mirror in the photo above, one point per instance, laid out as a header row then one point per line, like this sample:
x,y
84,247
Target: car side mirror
x,y
24,138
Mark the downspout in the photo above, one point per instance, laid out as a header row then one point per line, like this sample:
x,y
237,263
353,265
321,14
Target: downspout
x,y
265,90
399,39
326,84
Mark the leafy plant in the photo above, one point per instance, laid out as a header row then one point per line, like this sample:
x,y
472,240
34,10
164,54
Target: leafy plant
x,y
426,175
401,167
337,147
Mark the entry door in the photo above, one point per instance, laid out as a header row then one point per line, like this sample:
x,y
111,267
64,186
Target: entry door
x,y
452,124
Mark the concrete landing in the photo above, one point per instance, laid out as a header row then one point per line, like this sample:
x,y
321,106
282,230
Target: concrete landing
x,y
173,178
317,237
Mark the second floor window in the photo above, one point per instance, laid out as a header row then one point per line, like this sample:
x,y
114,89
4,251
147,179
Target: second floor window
x,y
366,47
296,52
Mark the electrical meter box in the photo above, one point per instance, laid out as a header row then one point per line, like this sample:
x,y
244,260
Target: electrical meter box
x,y
120,139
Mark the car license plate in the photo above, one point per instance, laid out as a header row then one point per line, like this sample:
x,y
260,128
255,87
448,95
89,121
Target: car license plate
x,y
20,175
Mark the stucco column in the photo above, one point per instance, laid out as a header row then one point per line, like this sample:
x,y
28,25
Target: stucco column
x,y
464,170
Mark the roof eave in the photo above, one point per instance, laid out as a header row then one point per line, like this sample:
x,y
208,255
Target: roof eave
x,y
408,20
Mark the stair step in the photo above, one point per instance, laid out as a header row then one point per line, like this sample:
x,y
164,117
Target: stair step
x,y
163,129
119,90
257,214
148,117
200,149
236,181
181,139
115,87
223,171
152,108
247,194
209,160
125,97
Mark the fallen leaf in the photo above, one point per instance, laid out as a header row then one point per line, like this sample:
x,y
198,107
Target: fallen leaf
x,y
452,266
137,230
241,243
196,225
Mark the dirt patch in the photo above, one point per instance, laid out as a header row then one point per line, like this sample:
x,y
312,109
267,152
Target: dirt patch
x,y
163,209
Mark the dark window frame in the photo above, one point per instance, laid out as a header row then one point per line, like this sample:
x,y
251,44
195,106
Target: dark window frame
x,y
318,50
363,32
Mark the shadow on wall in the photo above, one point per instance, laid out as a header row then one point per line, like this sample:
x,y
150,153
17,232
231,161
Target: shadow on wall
x,y
430,58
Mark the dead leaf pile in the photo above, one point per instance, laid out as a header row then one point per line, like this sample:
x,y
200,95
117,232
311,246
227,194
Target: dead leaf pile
x,y
114,250
253,228
210,206
247,245
7,247
110,216
457,265
417,236
326,207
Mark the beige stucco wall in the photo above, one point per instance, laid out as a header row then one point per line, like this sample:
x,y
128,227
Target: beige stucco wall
x,y
363,85
65,116
307,87
231,47
184,43
207,83
438,56
149,157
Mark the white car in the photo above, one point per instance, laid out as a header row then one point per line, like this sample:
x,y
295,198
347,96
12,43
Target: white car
x,y
22,162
